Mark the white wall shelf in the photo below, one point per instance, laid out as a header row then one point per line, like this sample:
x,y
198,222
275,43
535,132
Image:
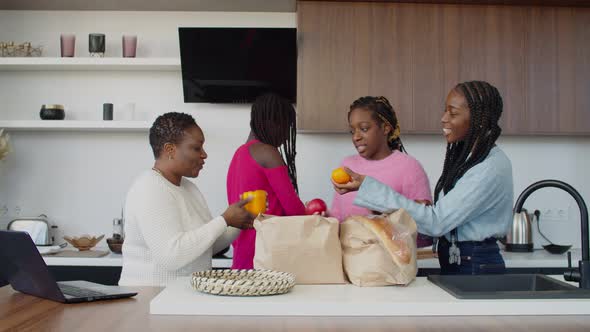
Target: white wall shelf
x,y
74,125
89,64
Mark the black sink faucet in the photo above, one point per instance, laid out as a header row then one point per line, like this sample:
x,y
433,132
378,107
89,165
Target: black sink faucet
x,y
582,274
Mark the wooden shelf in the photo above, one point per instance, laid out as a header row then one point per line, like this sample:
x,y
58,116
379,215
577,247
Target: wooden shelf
x,y
74,125
89,64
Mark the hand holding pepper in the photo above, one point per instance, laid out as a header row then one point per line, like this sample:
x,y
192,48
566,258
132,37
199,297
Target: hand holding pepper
x,y
258,203
237,216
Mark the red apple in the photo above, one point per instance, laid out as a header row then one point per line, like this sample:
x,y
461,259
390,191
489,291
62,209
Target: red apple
x,y
316,205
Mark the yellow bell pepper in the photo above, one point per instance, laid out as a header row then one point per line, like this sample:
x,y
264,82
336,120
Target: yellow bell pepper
x,y
258,203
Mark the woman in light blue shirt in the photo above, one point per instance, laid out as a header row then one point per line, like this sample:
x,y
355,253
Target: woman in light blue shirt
x,y
474,194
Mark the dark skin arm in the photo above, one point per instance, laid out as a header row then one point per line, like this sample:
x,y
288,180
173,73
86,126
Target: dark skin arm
x,y
266,155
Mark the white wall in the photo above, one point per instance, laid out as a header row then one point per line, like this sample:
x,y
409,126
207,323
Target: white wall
x,y
79,179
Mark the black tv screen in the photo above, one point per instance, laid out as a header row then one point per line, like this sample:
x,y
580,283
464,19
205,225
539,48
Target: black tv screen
x,y
235,65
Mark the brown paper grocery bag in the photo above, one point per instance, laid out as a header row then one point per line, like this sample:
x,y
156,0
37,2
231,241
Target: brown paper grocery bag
x,y
379,250
307,246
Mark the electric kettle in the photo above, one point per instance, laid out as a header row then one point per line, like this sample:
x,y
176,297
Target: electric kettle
x,y
520,235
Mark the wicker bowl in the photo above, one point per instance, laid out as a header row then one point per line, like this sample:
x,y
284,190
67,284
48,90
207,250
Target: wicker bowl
x,y
84,242
243,282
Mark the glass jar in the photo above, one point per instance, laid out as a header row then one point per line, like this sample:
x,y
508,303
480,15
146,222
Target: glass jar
x,y
118,229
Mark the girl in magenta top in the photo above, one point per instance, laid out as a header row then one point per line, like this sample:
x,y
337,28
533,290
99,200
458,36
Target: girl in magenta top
x,y
258,165
381,154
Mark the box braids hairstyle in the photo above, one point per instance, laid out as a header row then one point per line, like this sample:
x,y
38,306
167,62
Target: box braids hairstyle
x,y
272,120
485,107
383,113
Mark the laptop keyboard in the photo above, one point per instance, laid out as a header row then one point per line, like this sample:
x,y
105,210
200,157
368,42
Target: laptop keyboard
x,y
79,292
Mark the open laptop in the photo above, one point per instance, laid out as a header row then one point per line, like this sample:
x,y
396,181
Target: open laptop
x,y
24,268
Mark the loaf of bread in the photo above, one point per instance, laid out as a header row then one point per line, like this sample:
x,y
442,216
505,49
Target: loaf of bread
x,y
397,248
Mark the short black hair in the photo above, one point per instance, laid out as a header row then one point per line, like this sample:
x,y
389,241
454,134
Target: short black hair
x,y
169,128
485,108
273,121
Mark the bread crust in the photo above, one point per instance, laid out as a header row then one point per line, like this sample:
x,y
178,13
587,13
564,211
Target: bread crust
x,y
385,232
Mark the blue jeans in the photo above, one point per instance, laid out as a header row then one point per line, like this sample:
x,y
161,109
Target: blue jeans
x,y
477,257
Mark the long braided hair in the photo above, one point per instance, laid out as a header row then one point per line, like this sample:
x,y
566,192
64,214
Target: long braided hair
x,y
383,113
485,107
272,120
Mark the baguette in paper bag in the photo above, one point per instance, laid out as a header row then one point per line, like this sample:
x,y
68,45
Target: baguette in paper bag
x,y
380,250
397,248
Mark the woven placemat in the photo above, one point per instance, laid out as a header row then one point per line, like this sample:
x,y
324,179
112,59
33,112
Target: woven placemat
x,y
76,253
243,282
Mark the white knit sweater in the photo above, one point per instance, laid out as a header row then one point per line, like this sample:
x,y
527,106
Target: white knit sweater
x,y
169,232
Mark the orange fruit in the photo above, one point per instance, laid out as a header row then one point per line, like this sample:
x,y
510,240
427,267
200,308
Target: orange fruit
x,y
340,176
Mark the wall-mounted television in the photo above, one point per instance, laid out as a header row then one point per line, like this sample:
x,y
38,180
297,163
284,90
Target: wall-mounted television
x,y
235,65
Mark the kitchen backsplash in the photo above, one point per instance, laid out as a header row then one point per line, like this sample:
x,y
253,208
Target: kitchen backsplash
x,y
80,179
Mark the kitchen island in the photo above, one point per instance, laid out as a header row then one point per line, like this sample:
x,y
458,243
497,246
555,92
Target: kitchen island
x,y
419,298
20,312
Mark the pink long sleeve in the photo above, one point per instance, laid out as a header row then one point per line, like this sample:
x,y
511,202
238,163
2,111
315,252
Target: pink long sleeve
x,y
245,174
280,182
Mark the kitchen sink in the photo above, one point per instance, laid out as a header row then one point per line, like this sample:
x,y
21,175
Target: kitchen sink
x,y
507,286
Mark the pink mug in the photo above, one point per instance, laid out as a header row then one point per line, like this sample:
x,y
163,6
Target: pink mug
x,y
129,46
68,45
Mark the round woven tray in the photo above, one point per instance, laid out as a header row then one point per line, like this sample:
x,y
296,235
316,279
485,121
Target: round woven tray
x,y
242,282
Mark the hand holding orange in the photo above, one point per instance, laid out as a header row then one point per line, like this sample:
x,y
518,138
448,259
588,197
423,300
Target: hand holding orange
x,y
346,180
340,176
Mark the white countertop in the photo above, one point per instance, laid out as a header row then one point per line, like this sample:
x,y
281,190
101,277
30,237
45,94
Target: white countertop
x,y
536,259
112,259
419,298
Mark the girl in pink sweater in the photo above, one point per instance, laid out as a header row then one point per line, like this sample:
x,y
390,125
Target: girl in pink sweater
x,y
258,165
375,134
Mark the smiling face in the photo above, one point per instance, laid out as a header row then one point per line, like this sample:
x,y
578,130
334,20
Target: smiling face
x,y
368,135
189,155
456,119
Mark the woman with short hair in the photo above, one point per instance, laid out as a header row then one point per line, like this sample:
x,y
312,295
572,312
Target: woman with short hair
x,y
169,230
